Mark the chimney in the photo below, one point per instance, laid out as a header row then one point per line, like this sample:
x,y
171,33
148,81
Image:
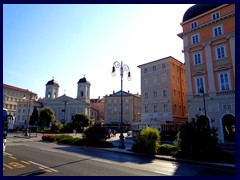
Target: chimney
x,y
113,92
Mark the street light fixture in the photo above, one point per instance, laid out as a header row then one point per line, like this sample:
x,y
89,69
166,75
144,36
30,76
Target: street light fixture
x,y
122,68
27,119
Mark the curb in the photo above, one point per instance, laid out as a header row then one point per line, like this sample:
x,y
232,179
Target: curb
x,y
169,158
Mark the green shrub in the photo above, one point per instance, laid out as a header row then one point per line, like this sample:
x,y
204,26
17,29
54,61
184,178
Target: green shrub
x,y
196,138
67,128
96,132
167,149
67,140
147,141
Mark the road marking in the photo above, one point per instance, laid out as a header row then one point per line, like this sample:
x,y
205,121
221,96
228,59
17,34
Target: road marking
x,y
7,166
47,170
8,154
43,166
16,165
12,157
25,162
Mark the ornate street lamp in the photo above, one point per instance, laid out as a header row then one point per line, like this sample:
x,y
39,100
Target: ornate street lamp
x,y
28,113
122,68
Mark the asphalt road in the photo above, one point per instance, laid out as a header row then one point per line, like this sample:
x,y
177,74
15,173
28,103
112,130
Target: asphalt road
x,y
34,158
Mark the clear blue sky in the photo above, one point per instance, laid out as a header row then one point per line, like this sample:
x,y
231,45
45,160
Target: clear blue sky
x,y
68,41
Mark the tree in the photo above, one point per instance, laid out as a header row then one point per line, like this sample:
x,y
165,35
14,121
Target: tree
x,y
96,132
46,116
34,117
197,138
80,120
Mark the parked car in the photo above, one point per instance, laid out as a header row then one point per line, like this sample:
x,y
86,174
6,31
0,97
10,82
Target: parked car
x,y
129,133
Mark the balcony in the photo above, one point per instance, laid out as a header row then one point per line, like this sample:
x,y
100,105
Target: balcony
x,y
223,93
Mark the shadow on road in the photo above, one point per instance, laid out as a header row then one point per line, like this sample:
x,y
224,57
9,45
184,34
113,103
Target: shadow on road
x,y
107,155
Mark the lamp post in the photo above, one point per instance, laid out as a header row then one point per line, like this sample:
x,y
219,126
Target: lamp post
x,y
64,111
27,119
122,68
204,106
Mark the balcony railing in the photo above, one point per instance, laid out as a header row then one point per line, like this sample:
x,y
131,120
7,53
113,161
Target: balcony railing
x,y
223,93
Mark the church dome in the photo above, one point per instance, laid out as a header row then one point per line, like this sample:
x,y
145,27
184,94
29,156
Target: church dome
x,y
82,80
198,9
52,82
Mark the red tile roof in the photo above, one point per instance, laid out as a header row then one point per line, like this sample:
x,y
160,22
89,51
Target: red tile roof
x,y
18,89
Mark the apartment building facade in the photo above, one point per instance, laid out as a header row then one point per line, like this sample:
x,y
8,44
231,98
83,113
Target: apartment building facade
x,y
112,109
209,49
163,90
97,109
12,95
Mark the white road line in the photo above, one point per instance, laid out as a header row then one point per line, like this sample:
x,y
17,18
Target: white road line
x,y
5,153
43,166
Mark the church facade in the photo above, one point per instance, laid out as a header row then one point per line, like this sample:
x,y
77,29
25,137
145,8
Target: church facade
x,y
66,107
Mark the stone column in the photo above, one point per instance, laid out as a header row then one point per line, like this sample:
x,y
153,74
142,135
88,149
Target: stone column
x,y
209,64
232,48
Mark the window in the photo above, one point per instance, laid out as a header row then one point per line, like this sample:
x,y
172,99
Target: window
x,y
174,92
145,70
154,68
165,107
175,108
215,15
145,82
197,58
146,95
155,81
224,81
164,77
163,65
155,94
195,38
221,52
199,82
115,100
155,108
217,31
109,101
193,25
180,109
164,93
115,108
227,106
146,109
126,100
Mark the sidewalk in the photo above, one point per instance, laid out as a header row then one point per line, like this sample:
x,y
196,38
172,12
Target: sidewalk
x,y
127,150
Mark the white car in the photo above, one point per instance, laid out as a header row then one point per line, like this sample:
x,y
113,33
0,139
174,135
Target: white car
x,y
129,133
